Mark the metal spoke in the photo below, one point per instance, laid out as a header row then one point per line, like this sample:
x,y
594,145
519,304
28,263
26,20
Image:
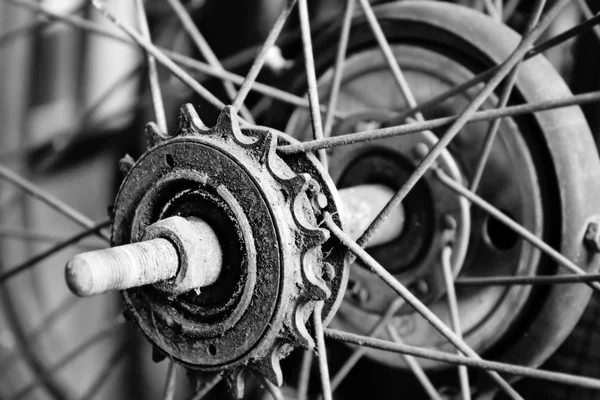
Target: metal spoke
x,y
514,226
258,87
41,22
411,299
104,333
510,8
406,129
485,75
322,351
416,368
463,118
273,390
57,204
463,374
206,51
155,92
24,266
492,10
500,7
589,24
311,78
304,378
262,55
525,280
431,354
171,382
338,71
390,58
34,236
43,327
110,366
162,58
186,61
588,14
511,80
208,386
359,352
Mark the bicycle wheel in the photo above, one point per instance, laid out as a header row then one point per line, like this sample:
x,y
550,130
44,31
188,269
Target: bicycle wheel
x,y
233,244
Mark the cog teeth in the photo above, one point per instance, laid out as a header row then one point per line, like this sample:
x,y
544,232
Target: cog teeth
x,y
234,379
154,134
264,148
315,287
269,366
189,121
296,328
125,164
228,125
312,236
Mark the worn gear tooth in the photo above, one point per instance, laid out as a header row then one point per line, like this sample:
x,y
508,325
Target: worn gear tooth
x,y
296,184
315,287
154,134
264,147
125,164
235,381
312,236
269,366
296,327
189,121
228,125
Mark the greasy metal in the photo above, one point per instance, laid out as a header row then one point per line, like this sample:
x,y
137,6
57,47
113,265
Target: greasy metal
x,y
265,211
198,249
175,254
360,206
122,267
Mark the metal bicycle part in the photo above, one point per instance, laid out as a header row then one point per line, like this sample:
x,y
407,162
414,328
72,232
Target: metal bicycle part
x,y
172,179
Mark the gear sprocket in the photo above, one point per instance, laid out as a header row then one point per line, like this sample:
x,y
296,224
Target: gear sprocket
x,y
277,262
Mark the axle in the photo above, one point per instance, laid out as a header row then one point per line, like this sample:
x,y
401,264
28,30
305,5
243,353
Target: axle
x,y
178,254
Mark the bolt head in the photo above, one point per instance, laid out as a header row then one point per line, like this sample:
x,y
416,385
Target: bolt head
x,y
592,236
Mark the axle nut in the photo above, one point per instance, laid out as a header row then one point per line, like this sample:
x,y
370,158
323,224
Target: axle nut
x,y
198,249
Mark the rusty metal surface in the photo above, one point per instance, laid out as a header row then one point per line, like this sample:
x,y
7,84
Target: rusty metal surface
x,y
265,213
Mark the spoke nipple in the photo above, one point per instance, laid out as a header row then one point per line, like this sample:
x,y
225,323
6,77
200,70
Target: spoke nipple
x,y
592,236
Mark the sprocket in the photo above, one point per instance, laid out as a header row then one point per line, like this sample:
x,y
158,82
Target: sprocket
x,y
277,261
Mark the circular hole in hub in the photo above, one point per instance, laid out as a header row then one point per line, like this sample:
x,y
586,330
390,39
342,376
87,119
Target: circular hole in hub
x,y
170,161
498,235
212,349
